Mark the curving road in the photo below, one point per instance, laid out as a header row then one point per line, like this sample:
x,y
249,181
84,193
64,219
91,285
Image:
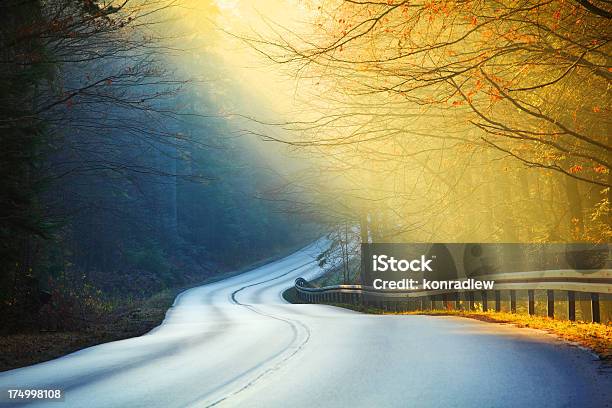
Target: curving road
x,y
237,343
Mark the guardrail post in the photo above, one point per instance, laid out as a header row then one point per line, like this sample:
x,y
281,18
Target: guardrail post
x,y
512,301
531,302
497,301
571,305
550,307
485,305
595,307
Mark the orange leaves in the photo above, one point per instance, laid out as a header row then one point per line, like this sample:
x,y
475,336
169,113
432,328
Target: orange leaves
x,y
474,21
436,9
601,169
575,169
470,96
494,95
596,109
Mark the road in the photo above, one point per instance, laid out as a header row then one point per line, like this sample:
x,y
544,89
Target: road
x,y
237,343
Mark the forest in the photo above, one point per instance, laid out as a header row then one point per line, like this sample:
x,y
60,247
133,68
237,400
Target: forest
x,y
137,157
119,177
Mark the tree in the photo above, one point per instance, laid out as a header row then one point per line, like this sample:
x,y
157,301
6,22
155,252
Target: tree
x,y
444,80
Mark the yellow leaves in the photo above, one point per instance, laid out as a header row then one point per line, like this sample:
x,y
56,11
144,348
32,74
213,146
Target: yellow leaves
x,y
601,210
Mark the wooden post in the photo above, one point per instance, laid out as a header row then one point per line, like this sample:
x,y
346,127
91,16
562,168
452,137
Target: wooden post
x,y
550,297
497,301
531,304
471,300
512,301
571,305
485,305
457,301
595,307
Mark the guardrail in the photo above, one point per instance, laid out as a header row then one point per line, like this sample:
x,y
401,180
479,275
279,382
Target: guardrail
x,y
553,293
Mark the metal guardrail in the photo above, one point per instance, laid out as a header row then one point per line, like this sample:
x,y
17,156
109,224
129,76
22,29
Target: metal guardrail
x,y
591,286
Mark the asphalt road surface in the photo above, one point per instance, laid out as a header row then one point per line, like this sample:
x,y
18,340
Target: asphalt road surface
x,y
237,343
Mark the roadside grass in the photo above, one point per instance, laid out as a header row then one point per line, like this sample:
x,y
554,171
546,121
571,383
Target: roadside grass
x,y
596,337
133,319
